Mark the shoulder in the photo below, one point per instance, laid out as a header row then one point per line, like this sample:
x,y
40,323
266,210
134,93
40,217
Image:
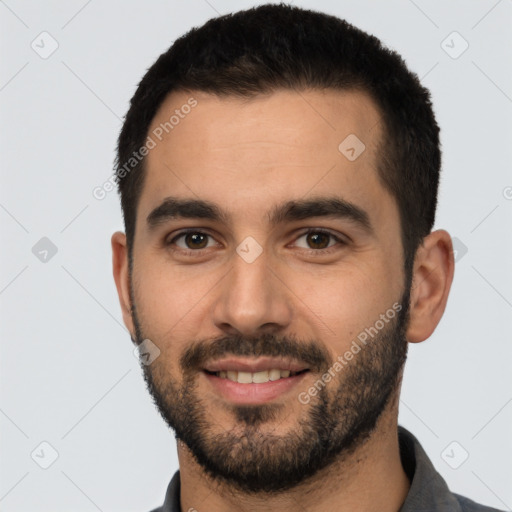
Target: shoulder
x,y
429,491
467,505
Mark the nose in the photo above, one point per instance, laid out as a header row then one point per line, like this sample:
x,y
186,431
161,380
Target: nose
x,y
252,299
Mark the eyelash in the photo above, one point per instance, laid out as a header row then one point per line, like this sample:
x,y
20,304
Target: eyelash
x,y
200,252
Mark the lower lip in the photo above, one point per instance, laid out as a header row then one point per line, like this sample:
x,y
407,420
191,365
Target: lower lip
x,y
253,393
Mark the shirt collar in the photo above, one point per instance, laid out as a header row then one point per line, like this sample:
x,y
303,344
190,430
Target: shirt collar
x,y
428,491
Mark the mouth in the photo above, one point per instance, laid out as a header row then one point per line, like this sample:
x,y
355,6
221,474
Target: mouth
x,y
246,381
261,377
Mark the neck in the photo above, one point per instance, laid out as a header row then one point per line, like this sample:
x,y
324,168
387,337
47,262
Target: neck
x,y
370,479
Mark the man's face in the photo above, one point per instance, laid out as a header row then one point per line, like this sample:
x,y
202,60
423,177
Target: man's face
x,y
249,291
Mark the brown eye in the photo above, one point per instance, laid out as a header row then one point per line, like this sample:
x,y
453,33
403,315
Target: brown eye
x,y
196,240
318,240
192,240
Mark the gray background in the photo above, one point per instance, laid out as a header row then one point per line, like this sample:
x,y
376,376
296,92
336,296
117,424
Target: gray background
x,y
68,374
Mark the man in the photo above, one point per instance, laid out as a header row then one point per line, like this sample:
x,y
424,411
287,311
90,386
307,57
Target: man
x,y
278,172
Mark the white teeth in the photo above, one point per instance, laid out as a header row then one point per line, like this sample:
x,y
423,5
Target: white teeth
x,y
259,377
256,377
244,377
274,374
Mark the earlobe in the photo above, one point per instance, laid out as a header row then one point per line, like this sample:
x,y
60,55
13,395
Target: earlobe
x,y
121,277
432,278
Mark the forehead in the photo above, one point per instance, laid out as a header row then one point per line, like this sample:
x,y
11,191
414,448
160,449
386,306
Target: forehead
x,y
245,154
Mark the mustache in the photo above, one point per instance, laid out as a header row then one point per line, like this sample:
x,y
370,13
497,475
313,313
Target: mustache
x,y
310,353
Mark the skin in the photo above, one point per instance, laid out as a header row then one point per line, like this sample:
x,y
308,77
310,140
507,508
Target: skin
x,y
247,156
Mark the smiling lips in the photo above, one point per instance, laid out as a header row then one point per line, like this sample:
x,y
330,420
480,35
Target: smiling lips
x,y
261,371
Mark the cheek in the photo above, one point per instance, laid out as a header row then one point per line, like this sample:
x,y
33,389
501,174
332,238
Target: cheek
x,y
172,299
338,304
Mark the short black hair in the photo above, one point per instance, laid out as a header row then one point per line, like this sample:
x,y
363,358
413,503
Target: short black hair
x,y
274,47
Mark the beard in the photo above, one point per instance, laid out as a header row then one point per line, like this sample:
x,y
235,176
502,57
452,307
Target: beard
x,y
251,457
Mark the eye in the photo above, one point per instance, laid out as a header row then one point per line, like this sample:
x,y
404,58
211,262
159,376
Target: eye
x,y
192,240
318,240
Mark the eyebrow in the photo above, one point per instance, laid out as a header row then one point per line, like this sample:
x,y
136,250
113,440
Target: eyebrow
x,y
173,208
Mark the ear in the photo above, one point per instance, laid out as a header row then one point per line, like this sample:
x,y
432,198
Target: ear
x,y
433,270
121,277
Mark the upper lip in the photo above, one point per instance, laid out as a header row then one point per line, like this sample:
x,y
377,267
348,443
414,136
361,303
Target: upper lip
x,y
254,365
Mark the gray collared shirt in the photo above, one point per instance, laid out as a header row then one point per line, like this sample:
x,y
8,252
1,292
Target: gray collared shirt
x,y
428,491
